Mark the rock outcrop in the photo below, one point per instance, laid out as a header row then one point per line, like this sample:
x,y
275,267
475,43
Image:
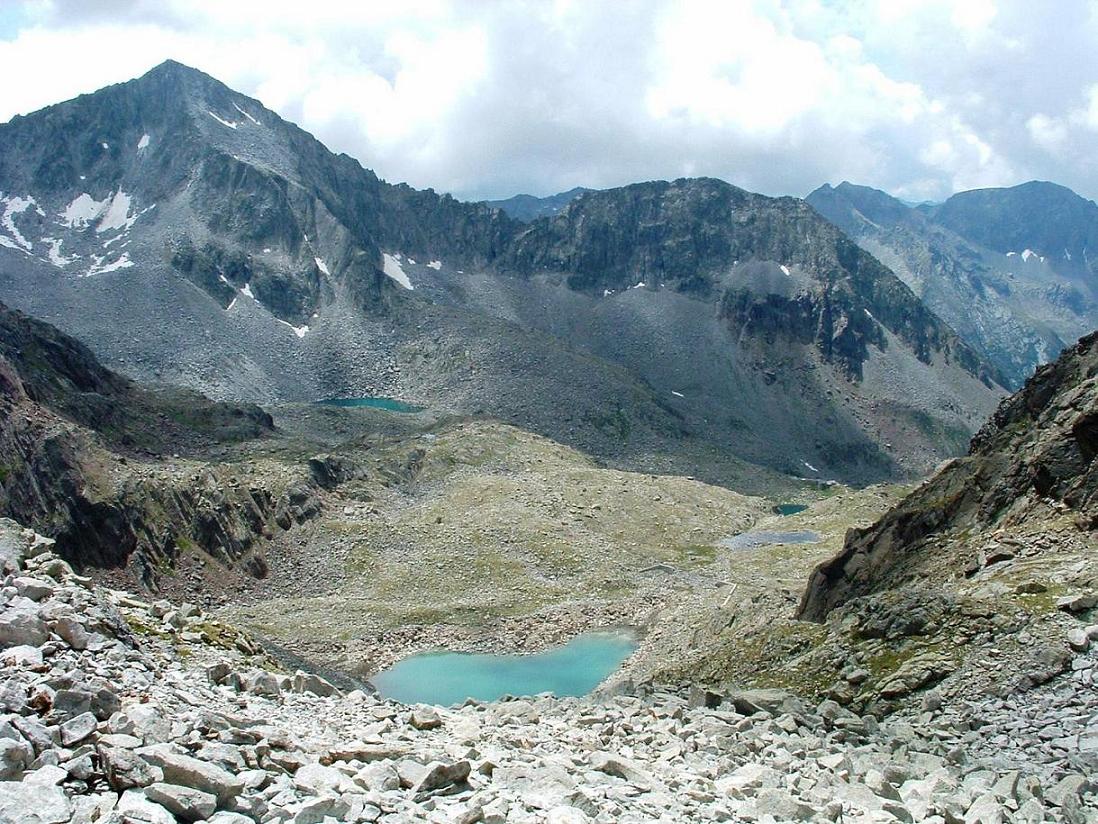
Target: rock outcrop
x,y
1031,464
82,456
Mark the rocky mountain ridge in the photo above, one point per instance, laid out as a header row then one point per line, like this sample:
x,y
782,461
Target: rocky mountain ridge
x,y
254,202
1033,462
683,235
95,459
1008,269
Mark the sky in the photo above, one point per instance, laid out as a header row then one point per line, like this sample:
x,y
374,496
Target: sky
x,y
488,98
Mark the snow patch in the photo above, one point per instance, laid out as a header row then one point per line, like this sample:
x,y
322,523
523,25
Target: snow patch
x,y
54,252
1067,254
112,213
785,270
11,244
1029,253
638,285
677,394
1011,254
869,314
143,143
98,267
300,331
82,211
435,264
393,269
228,123
322,266
247,290
256,122
14,206
117,215
607,292
224,280
267,251
232,303
105,145
810,466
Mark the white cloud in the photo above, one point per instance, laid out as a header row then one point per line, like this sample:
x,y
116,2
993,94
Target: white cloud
x,y
1046,131
920,97
1091,114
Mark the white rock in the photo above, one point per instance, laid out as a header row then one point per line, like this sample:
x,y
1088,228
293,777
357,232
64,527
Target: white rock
x,y
47,776
191,772
566,815
22,657
21,625
71,631
34,588
316,779
34,804
77,729
134,807
185,802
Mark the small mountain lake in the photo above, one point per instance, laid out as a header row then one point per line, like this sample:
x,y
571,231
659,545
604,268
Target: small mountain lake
x,y
765,537
790,509
447,678
388,404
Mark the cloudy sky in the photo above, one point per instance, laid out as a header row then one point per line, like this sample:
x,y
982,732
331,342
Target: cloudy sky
x,y
485,99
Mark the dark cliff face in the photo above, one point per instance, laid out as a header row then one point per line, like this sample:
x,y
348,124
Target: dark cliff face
x,y
1008,269
1037,450
78,461
1044,217
698,236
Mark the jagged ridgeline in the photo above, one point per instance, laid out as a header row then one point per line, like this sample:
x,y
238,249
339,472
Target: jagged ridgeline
x,y
1030,474
191,236
1009,269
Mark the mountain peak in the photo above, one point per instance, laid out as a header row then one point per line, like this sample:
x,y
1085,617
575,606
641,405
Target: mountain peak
x,y
1048,218
847,204
172,78
170,66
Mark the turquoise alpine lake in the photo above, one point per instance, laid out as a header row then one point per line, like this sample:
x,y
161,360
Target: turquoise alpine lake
x,y
790,509
388,404
447,678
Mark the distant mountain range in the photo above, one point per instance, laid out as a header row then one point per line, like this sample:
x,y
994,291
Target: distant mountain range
x,y
528,208
191,236
1012,270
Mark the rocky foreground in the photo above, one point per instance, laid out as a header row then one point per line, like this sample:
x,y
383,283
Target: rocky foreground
x,y
118,710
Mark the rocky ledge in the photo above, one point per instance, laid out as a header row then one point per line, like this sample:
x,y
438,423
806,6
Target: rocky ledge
x,y
118,710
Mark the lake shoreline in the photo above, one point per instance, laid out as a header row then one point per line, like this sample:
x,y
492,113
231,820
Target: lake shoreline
x,y
576,668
